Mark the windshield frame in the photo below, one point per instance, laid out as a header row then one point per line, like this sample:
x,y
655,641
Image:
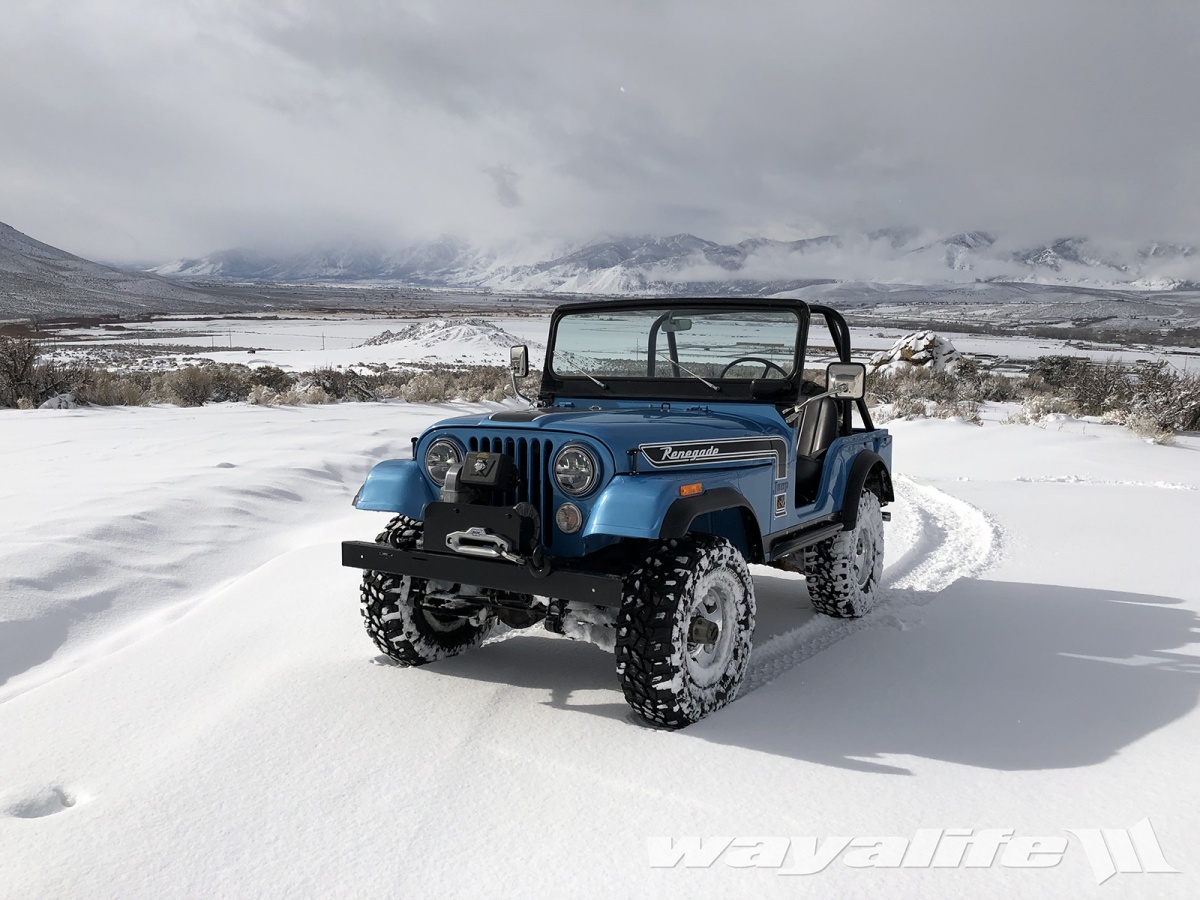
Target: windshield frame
x,y
623,386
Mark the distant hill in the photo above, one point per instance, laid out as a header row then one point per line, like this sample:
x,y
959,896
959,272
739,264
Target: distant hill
x,y
40,281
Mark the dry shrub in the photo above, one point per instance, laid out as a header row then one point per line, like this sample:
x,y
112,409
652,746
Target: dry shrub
x,y
1148,429
301,394
342,384
426,388
1034,409
189,386
967,410
23,376
18,362
1166,398
104,388
272,377
389,392
261,395
228,383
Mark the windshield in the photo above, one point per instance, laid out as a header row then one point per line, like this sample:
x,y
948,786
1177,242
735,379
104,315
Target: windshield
x,y
677,343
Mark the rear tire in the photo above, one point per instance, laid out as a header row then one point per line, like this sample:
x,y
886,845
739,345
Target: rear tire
x,y
673,666
410,635
845,572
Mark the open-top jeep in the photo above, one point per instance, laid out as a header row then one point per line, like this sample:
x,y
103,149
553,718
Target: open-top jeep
x,y
672,442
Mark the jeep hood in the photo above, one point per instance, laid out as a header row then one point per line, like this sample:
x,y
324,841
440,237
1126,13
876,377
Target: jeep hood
x,y
624,428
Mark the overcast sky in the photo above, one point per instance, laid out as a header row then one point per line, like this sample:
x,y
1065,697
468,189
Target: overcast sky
x,y
145,130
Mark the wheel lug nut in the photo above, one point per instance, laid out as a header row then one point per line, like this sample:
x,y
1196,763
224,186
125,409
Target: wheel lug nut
x,y
702,631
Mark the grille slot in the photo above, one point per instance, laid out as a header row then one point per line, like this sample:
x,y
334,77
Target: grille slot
x,y
533,459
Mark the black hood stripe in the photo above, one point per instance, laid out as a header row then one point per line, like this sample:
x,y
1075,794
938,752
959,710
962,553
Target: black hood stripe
x,y
704,453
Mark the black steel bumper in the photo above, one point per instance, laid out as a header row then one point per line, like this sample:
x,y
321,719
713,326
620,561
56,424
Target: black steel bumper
x,y
562,583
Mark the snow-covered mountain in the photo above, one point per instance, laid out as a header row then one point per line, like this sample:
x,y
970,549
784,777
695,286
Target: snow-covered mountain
x,y
685,263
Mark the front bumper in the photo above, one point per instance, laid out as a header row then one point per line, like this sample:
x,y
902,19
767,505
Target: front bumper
x,y
560,582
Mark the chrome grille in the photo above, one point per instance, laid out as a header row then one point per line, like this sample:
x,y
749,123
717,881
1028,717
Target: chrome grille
x,y
533,459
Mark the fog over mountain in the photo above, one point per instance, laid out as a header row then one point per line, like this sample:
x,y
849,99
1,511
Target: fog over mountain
x,y
684,263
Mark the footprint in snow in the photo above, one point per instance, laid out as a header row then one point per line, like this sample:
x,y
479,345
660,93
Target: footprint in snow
x,y
46,802
226,465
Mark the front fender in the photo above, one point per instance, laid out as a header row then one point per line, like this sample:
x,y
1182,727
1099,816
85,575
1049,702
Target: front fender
x,y
647,506
395,485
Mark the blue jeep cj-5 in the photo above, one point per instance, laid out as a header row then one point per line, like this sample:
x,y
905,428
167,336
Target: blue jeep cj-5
x,y
672,443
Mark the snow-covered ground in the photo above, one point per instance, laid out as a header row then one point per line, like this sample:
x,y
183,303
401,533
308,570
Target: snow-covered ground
x,y
190,707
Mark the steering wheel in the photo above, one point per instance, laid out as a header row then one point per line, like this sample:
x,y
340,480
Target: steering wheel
x,y
767,365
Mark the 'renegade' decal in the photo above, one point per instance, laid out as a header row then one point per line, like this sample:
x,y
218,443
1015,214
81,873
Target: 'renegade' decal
x,y
701,453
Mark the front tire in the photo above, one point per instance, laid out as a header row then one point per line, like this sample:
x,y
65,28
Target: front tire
x,y
394,614
685,630
845,572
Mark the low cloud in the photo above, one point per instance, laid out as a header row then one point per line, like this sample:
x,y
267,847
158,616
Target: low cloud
x,y
144,130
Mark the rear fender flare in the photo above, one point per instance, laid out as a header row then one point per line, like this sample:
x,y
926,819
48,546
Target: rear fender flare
x,y
867,471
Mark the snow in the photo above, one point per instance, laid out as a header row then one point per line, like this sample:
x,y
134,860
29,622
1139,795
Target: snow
x,y
921,348
303,342
190,705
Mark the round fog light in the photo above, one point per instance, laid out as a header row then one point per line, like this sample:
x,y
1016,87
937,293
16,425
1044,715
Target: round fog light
x,y
568,518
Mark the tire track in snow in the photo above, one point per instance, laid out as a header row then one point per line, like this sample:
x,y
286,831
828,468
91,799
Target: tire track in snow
x,y
950,539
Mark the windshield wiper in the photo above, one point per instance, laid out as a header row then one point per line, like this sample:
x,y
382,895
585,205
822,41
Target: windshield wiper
x,y
699,378
574,365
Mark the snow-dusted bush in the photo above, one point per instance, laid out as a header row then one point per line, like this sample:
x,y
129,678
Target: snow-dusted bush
x,y
261,395
18,359
389,392
272,377
967,410
1097,388
1164,397
23,376
301,394
229,383
901,408
1036,408
426,388
1148,429
1059,371
342,384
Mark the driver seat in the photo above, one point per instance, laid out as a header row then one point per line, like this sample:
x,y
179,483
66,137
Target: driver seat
x,y
816,430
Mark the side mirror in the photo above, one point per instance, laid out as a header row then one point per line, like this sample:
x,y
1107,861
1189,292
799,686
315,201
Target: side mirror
x,y
846,381
519,361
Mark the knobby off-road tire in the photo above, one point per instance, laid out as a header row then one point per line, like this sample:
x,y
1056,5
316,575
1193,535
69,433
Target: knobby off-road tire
x,y
412,636
845,572
670,678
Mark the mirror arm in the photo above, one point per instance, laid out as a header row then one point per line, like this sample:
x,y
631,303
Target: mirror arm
x,y
796,410
517,390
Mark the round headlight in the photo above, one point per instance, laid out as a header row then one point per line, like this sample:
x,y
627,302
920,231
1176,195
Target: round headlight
x,y
441,455
575,470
